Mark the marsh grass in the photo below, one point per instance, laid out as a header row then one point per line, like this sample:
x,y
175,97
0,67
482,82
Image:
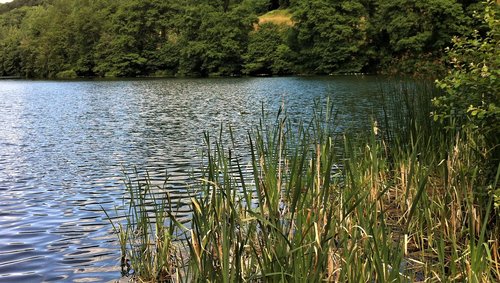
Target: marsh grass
x,y
146,235
325,207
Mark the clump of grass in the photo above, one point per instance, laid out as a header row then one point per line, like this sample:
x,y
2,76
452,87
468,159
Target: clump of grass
x,y
146,232
324,207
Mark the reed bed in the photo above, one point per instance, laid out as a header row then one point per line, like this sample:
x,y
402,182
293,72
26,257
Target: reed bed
x,y
320,206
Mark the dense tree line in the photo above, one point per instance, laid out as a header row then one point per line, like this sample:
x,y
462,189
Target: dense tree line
x,y
9,6
67,38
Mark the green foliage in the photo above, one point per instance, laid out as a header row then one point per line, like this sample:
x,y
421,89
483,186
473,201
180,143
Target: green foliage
x,y
415,31
131,32
10,38
257,6
316,207
146,243
9,6
204,38
471,96
330,35
267,51
416,26
219,48
69,74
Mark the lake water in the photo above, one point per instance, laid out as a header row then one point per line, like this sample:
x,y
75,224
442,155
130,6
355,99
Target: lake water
x,y
64,146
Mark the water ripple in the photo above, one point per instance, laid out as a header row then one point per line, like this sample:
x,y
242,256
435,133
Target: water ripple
x,y
65,146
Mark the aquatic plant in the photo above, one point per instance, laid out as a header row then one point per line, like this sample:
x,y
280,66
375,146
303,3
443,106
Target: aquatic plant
x,y
321,206
145,231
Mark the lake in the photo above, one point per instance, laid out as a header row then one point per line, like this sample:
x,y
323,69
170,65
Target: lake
x,y
64,147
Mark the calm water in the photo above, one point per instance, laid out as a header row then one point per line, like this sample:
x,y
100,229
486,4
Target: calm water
x,y
64,145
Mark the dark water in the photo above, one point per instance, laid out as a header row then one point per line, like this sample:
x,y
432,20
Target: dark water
x,y
63,146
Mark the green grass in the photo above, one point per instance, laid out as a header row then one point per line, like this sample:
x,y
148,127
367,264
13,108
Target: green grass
x,y
147,234
415,207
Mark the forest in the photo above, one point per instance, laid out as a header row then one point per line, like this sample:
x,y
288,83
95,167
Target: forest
x,y
130,38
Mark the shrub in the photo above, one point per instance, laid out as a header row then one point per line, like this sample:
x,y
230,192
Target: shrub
x,y
470,96
68,74
470,100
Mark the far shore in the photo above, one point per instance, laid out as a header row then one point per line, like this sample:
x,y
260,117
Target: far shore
x,y
10,78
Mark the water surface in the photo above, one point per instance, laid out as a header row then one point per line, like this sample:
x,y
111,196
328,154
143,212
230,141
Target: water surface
x,y
64,146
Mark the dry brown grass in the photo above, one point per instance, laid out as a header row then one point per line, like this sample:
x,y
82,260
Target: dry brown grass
x,y
278,17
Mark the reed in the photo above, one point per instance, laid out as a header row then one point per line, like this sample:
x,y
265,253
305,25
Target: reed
x,y
320,206
145,230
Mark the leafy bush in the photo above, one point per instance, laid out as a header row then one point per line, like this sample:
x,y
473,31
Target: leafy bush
x,y
267,51
68,74
470,90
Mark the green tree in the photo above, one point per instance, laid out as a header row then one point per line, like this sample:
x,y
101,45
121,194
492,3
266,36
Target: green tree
x,y
409,30
16,4
128,33
47,42
213,41
267,51
86,24
138,38
10,40
48,38
331,35
56,38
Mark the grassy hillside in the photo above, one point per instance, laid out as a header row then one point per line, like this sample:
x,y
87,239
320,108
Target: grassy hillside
x,y
279,17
